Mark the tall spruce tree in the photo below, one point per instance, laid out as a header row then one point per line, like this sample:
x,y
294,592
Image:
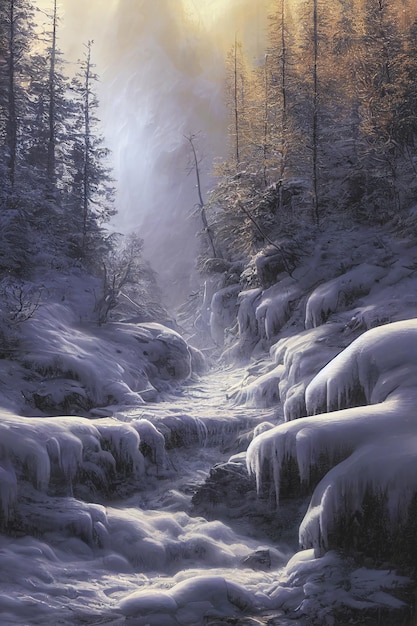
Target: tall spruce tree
x,y
16,34
92,189
17,187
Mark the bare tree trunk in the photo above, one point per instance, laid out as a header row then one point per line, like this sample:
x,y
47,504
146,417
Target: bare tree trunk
x,y
266,124
316,210
236,107
87,142
207,230
283,66
284,103
12,117
51,167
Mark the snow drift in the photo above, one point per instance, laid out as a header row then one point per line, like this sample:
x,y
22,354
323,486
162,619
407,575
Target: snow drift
x,y
67,366
359,439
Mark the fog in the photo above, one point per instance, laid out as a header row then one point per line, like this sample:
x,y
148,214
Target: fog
x,y
162,70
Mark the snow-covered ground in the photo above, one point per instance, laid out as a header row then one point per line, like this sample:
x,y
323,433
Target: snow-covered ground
x,y
138,488
99,528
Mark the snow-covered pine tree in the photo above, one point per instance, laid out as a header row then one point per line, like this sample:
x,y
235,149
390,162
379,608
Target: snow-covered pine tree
x,y
377,72
49,139
277,73
16,186
91,185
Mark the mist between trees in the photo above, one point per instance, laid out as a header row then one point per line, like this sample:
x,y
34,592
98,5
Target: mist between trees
x,y
324,125
57,191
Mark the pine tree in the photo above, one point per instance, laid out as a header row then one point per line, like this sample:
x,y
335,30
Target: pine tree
x,y
92,190
238,101
403,127
52,108
17,186
378,95
16,32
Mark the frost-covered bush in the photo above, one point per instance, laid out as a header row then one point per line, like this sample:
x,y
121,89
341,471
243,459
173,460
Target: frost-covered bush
x,y
276,260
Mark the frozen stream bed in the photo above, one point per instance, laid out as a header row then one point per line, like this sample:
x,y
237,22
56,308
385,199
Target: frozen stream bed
x,y
149,517
77,558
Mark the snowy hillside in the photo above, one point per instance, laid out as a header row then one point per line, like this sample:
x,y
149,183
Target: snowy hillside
x,y
341,333
249,458
137,487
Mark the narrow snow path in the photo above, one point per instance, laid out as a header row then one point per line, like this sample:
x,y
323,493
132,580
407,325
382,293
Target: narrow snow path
x,y
153,540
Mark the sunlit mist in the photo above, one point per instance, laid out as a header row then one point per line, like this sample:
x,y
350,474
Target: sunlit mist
x,y
162,69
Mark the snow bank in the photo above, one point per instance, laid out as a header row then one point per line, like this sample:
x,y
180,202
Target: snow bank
x,y
372,367
78,366
189,602
337,294
258,392
355,451
330,588
167,542
297,359
59,453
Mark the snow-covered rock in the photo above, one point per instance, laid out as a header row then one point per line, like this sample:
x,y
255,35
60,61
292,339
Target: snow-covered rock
x,y
70,367
358,452
223,312
331,590
189,602
337,294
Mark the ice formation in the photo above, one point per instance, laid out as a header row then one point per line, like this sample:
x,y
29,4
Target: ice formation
x,y
46,452
275,307
355,450
223,312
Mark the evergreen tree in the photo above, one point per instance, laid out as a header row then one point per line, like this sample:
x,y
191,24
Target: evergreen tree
x,y
379,97
16,33
238,100
92,190
17,187
316,100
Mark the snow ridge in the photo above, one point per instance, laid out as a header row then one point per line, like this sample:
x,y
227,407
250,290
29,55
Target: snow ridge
x,y
359,449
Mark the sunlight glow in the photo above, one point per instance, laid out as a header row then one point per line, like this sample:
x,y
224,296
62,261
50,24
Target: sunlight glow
x,y
162,70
